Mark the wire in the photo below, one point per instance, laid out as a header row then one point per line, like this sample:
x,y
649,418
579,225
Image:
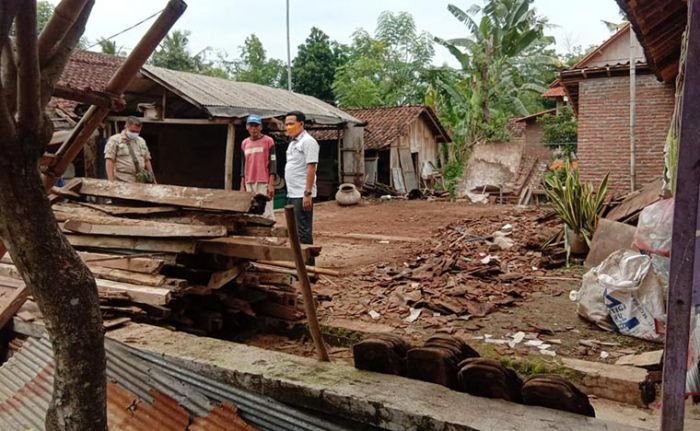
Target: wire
x,y
126,29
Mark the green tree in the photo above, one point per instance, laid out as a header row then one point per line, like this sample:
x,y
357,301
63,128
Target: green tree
x,y
44,12
174,53
314,67
110,47
500,61
254,66
387,69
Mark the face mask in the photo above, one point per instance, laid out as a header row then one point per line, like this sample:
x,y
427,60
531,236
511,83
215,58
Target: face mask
x,y
132,135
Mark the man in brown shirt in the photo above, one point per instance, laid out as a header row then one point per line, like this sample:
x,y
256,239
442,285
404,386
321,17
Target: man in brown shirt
x,y
119,161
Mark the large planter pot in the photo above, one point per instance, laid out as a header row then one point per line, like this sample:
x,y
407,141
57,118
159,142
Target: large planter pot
x,y
577,243
347,195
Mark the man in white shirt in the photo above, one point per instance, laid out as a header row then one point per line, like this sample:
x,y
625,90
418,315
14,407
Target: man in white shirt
x,y
300,173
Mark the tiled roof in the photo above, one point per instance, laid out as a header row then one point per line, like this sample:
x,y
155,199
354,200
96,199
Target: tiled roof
x,y
385,124
555,91
87,70
659,26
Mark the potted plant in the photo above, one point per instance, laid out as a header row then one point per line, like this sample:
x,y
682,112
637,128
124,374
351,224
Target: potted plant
x,y
577,205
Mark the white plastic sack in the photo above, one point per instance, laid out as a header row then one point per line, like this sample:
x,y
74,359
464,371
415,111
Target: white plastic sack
x,y
693,377
591,304
655,228
634,294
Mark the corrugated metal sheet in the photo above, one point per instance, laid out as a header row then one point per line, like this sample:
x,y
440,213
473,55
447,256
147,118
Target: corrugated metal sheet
x,y
231,99
145,392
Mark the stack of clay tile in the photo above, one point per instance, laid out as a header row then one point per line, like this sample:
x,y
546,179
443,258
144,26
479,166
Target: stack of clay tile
x,y
438,360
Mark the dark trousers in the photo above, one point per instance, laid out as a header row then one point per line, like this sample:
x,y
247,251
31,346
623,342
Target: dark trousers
x,y
304,220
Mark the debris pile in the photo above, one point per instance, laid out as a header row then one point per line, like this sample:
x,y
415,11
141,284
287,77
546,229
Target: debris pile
x,y
196,259
470,269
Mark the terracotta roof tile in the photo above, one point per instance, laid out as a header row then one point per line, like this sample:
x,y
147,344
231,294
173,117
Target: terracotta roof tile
x,y
385,124
87,70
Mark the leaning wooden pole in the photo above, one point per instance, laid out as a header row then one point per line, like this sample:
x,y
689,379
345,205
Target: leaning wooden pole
x,y
685,262
309,305
117,85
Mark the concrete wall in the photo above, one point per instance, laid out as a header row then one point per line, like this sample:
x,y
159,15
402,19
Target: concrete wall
x,y
618,52
604,124
494,163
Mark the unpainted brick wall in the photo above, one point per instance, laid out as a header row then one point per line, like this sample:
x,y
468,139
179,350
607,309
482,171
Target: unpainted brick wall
x,y
603,129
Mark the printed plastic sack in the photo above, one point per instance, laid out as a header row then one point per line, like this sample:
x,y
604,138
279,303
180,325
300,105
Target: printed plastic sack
x,y
655,228
634,294
591,304
693,377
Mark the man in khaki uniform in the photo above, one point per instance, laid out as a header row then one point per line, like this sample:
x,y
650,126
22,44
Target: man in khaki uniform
x,y
126,154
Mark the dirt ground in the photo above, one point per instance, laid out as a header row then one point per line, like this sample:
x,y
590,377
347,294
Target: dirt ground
x,y
546,312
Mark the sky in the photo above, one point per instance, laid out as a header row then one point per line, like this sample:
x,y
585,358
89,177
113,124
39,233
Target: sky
x,y
224,24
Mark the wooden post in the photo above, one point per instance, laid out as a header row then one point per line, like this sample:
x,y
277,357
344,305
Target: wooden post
x,y
309,305
19,297
117,85
684,270
230,150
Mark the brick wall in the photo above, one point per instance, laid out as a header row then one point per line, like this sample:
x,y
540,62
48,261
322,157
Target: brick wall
x,y
603,129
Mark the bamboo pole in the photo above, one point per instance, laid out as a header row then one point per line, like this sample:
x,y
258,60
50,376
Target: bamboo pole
x,y
309,305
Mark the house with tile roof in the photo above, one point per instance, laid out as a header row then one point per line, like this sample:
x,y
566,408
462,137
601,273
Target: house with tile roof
x,y
599,91
194,124
402,145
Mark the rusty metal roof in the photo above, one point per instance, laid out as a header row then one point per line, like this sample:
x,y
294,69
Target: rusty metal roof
x,y
144,393
218,97
232,99
659,25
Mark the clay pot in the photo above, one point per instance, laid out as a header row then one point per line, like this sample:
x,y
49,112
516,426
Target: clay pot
x,y
347,195
577,243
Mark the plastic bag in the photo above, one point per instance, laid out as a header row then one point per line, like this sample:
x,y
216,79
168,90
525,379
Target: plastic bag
x,y
634,295
693,377
655,228
591,303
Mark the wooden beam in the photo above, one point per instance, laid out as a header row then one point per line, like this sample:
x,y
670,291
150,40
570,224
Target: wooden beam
x,y
685,259
228,161
252,248
117,210
18,298
127,243
139,294
105,288
153,280
144,265
201,198
90,97
220,278
94,116
165,230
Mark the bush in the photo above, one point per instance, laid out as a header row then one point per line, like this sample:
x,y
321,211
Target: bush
x,y
560,131
575,203
452,172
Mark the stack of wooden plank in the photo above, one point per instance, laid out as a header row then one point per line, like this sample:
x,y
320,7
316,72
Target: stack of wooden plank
x,y
181,256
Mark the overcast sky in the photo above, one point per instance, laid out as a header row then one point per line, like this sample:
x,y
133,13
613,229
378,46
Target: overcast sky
x,y
224,24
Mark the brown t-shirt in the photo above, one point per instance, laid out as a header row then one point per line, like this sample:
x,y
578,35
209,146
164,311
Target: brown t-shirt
x,y
116,149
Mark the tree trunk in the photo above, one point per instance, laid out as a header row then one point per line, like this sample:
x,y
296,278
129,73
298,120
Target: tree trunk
x,y
60,283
